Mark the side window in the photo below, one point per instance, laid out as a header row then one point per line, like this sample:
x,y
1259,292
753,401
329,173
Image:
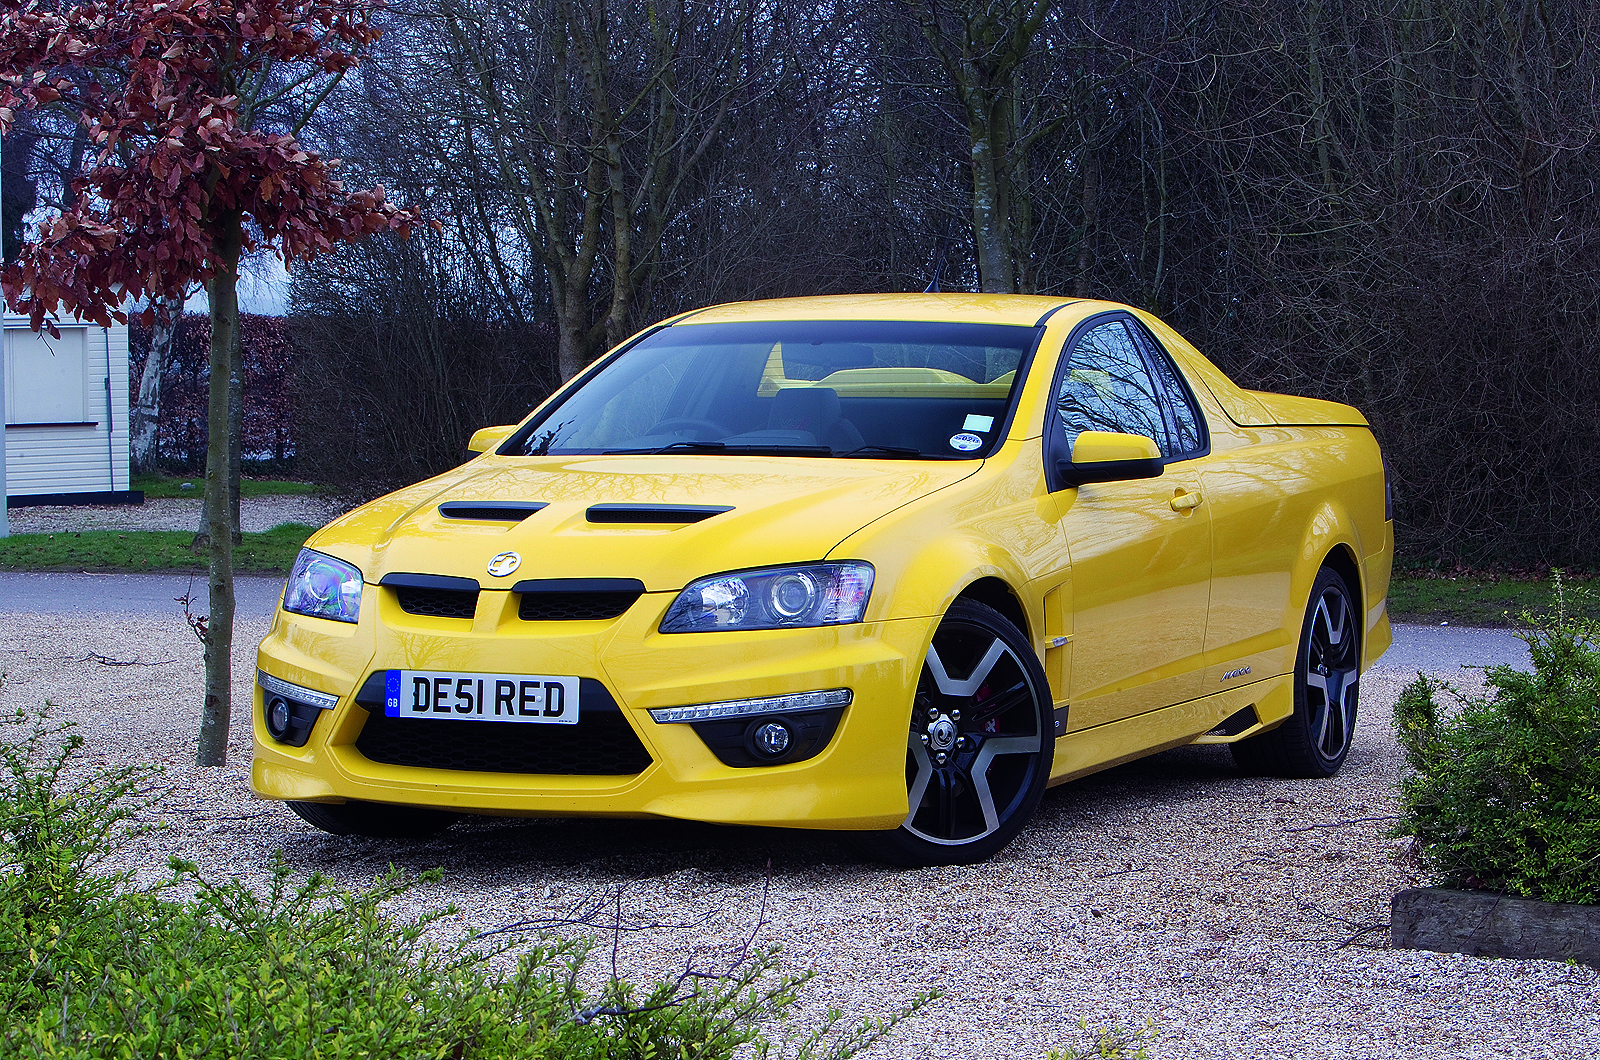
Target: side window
x,y
1107,387
1184,418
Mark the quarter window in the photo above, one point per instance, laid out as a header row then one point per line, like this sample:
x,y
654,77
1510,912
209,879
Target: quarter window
x,y
1185,427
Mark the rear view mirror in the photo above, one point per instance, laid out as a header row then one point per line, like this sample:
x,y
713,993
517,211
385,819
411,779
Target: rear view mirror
x,y
486,438
1105,456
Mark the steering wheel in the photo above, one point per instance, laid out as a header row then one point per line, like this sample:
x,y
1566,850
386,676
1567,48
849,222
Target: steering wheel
x,y
704,429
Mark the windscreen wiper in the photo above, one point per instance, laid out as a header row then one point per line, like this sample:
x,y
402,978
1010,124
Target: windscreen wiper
x,y
885,450
754,449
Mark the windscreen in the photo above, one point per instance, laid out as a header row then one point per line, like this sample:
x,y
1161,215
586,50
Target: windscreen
x,y
864,389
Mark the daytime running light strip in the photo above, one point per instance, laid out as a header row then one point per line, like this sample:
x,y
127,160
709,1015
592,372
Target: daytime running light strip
x,y
739,708
320,700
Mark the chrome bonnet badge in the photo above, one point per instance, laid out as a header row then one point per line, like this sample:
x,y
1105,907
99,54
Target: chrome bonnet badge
x,y
505,563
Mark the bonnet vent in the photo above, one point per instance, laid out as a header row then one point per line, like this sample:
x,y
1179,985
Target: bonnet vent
x,y
490,511
654,513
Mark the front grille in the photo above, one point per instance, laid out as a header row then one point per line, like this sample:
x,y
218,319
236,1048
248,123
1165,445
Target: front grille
x,y
601,744
574,607
437,603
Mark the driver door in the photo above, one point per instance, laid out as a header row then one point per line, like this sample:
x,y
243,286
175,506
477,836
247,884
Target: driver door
x,y
1140,550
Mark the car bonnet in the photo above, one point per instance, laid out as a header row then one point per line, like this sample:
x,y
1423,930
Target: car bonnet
x,y
664,520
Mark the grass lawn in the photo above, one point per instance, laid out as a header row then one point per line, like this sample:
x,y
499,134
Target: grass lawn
x,y
155,486
1484,598
269,552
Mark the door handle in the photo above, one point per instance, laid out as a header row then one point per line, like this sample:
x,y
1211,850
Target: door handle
x,y
1183,501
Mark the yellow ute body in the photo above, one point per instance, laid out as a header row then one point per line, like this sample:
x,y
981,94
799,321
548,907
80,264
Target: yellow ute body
x,y
1157,607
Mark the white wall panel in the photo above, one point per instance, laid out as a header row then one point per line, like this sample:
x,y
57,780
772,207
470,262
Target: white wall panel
x,y
88,453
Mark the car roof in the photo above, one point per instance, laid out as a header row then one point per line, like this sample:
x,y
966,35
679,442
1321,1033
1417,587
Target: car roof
x,y
967,308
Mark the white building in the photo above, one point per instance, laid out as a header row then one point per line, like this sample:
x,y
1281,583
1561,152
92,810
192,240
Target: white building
x,y
66,415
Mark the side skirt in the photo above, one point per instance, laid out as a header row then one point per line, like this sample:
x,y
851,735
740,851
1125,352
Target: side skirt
x,y
1087,751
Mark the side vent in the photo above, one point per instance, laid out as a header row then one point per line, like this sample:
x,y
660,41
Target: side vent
x,y
1236,722
654,513
490,511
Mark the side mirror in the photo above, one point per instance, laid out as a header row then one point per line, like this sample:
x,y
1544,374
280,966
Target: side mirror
x,y
1105,456
486,438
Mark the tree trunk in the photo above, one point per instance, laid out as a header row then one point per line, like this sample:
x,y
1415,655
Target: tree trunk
x,y
145,416
235,430
990,225
223,289
1091,213
571,355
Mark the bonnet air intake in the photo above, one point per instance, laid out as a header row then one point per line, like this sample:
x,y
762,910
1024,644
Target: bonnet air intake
x,y
654,513
490,511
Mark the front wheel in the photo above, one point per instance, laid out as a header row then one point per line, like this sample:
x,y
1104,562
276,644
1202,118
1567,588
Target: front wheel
x,y
980,744
1315,739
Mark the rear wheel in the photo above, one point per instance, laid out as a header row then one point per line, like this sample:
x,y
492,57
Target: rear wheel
x,y
1315,739
980,744
375,819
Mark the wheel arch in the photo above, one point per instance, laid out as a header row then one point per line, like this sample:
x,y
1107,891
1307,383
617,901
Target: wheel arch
x,y
997,593
1331,540
1342,559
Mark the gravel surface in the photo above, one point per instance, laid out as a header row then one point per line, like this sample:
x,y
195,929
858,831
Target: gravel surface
x,y
173,513
1244,916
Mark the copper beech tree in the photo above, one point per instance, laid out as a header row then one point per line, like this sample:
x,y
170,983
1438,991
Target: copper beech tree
x,y
192,109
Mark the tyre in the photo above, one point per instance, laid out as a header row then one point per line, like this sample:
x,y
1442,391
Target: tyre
x,y
980,744
1313,741
375,819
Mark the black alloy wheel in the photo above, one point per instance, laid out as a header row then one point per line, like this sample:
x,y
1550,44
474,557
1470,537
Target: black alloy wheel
x,y
980,743
1314,740
375,819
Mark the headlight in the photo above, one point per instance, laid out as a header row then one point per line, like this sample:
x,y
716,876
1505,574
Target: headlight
x,y
821,594
323,587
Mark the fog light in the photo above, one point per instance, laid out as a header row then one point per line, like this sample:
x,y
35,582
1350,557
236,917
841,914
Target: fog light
x,y
278,718
771,738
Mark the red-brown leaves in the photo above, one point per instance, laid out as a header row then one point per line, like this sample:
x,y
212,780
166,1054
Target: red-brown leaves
x,y
175,164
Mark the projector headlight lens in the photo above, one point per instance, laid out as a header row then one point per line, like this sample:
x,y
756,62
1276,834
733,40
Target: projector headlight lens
x,y
323,587
818,594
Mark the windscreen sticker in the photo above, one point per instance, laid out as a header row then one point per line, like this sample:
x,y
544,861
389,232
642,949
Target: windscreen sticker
x,y
978,423
966,443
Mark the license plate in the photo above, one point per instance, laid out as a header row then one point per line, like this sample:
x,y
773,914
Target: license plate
x,y
528,699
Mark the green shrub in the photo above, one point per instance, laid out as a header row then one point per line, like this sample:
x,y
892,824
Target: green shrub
x,y
1506,794
1113,1042
92,965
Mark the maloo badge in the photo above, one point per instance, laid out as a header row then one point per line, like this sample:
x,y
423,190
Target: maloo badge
x,y
505,563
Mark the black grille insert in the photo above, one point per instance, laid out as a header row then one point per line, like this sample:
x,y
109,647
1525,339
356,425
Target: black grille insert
x,y
576,599
573,607
434,595
437,603
601,744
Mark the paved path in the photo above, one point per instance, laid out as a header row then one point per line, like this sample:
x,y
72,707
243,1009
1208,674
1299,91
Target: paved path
x,y
129,594
1433,648
1448,647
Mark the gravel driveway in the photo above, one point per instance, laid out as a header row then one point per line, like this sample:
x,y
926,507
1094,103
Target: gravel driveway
x,y
173,513
1243,916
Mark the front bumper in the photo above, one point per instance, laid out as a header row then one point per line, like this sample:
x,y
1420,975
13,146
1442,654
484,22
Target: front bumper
x,y
856,782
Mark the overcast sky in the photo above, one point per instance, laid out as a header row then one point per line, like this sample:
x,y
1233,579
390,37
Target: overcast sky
x,y
263,288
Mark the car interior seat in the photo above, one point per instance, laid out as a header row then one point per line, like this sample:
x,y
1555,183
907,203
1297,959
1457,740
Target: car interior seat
x,y
816,410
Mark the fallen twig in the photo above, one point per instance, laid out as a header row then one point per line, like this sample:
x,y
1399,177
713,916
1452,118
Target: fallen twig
x,y
1347,820
95,656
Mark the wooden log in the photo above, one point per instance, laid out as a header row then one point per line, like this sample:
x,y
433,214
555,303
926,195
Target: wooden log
x,y
1489,925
